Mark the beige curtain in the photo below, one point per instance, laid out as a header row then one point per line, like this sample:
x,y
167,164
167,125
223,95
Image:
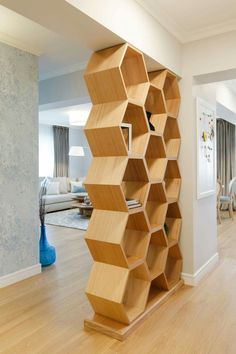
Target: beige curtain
x,y
225,152
61,151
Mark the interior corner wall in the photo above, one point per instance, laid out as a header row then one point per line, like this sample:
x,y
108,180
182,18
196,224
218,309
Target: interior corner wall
x,y
19,227
65,90
210,55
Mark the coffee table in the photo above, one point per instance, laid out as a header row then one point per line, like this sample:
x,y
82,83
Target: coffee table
x,y
85,209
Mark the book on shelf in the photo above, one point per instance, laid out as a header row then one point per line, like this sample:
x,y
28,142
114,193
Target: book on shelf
x,y
134,206
133,203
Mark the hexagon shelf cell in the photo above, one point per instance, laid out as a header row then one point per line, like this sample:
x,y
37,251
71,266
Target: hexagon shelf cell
x,y
121,122
136,117
136,294
118,238
156,158
167,81
173,224
172,181
155,104
118,293
172,138
157,253
103,183
158,288
156,206
173,266
159,122
135,182
115,74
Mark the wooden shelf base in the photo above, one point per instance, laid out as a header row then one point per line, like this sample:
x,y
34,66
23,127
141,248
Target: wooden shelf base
x,y
119,330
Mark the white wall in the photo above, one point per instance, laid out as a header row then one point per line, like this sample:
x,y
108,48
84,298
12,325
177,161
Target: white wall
x,y
68,88
79,164
211,55
46,151
131,22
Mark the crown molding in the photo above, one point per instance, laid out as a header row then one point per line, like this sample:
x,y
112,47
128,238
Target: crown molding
x,y
14,42
183,34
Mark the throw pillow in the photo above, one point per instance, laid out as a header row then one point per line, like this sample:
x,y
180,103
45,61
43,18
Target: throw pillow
x,y
77,187
53,188
62,184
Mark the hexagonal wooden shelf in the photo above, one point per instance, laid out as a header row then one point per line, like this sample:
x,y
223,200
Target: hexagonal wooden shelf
x,y
167,81
156,206
130,237
157,253
173,266
173,224
172,138
104,127
118,292
133,183
172,181
116,74
156,158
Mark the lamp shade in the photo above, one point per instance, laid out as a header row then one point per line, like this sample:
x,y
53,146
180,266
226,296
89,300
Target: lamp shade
x,y
76,151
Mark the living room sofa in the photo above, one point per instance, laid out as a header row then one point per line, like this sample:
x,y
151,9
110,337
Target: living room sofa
x,y
65,199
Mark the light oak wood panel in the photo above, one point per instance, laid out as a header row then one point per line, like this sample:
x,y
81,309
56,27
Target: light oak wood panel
x,y
157,254
172,138
155,101
118,238
156,206
172,181
167,81
159,122
104,128
173,266
156,158
115,74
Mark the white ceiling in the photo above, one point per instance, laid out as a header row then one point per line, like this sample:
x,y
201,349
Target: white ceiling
x,y
66,46
61,116
190,19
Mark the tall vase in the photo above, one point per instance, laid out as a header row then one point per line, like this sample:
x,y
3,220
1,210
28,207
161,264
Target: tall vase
x,y
47,252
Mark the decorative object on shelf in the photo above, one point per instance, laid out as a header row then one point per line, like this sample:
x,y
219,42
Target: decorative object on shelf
x,y
134,195
206,149
47,251
127,133
151,126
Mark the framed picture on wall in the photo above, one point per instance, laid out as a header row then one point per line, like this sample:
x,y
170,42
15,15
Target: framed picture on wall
x,y
206,148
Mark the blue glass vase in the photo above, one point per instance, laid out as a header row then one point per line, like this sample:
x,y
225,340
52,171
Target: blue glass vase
x,y
47,252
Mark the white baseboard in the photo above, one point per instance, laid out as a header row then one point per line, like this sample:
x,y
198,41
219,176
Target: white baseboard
x,y
194,279
22,274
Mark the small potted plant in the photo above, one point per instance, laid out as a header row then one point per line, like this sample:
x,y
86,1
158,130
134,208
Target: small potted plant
x,y
47,252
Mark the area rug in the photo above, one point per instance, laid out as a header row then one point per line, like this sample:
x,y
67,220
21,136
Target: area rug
x,y
68,218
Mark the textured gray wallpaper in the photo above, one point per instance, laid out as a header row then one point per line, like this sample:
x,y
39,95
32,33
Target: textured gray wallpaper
x,y
18,160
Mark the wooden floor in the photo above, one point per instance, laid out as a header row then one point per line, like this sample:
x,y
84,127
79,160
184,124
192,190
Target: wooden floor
x,y
45,314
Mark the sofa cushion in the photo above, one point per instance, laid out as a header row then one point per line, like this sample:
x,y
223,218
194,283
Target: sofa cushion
x,y
58,198
77,187
62,184
53,188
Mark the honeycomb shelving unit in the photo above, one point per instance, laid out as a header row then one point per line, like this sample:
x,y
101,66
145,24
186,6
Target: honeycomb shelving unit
x,y
134,137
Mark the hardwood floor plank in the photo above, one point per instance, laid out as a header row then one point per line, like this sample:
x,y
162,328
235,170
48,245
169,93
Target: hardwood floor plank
x,y
44,314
